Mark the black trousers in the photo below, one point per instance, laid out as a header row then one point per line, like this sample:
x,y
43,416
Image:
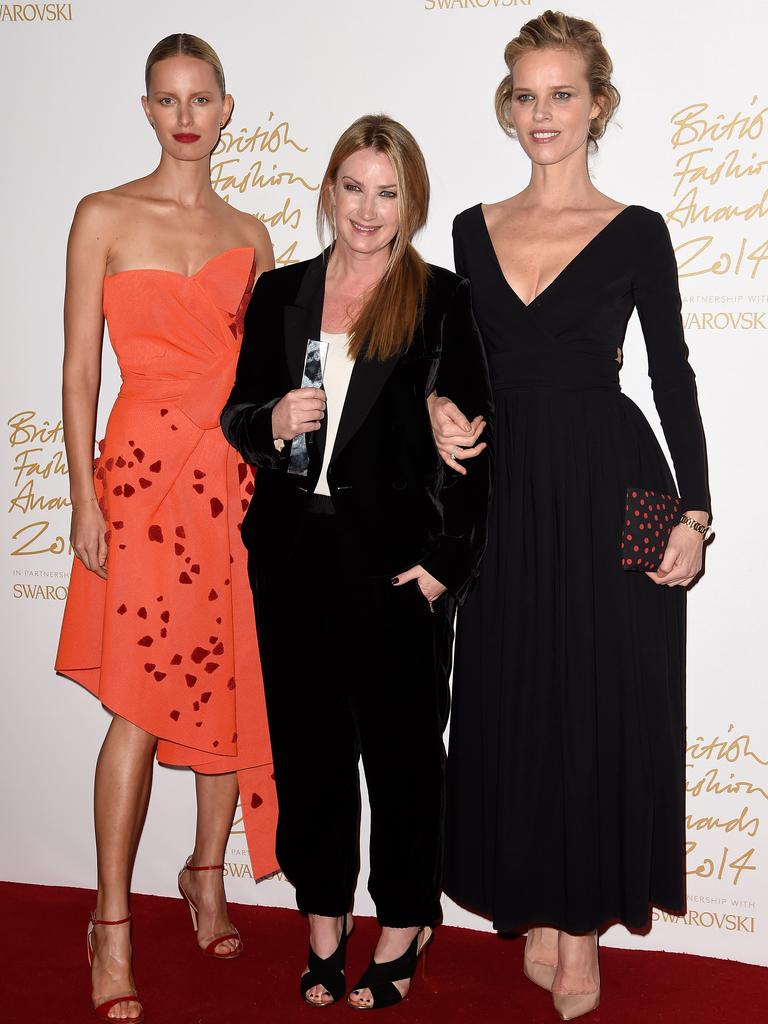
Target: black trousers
x,y
353,667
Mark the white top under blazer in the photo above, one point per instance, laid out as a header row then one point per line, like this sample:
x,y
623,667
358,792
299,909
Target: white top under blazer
x,y
336,375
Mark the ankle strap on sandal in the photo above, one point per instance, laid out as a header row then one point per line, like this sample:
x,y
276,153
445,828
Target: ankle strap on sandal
x,y
204,867
98,920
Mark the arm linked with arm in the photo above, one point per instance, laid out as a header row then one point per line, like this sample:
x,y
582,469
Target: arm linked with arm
x,y
463,375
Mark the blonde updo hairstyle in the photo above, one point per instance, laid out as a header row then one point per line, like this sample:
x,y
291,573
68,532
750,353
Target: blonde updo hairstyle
x,y
182,44
554,30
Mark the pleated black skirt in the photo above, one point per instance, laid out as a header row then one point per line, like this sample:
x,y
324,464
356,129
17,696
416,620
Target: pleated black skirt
x,y
566,756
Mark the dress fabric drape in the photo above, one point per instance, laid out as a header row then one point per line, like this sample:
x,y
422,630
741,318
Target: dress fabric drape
x,y
168,641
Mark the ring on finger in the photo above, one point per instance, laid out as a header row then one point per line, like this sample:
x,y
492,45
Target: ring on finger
x,y
453,452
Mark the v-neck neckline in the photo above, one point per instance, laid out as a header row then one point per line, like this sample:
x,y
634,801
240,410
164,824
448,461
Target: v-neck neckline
x,y
535,300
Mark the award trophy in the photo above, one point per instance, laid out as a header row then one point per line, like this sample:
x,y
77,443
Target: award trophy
x,y
314,364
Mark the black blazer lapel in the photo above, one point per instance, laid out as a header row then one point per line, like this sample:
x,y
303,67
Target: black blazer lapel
x,y
302,322
368,378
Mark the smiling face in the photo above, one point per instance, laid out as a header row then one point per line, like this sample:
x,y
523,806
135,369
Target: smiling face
x,y
186,106
365,202
551,104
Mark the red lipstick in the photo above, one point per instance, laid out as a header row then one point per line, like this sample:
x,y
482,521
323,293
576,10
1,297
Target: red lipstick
x,y
186,137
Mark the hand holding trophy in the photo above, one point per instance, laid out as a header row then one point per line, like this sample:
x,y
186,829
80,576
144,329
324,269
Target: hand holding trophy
x,y
301,411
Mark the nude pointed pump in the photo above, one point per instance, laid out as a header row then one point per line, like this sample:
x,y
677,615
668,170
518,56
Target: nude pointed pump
x,y
571,1006
539,973
102,1009
216,941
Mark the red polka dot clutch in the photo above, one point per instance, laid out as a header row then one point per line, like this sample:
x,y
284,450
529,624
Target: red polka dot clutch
x,y
648,521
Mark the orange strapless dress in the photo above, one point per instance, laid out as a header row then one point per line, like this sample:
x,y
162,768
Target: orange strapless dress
x,y
169,640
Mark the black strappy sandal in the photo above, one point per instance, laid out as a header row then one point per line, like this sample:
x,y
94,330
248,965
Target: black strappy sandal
x,y
328,972
380,978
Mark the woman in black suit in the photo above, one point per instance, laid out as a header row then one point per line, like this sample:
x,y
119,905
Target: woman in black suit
x,y
360,545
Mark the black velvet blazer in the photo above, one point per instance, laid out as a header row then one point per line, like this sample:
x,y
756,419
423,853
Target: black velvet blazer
x,y
399,501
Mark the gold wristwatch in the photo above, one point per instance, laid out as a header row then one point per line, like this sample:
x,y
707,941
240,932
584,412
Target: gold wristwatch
x,y
696,525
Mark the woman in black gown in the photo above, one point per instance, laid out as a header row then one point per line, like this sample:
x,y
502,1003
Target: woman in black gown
x,y
566,795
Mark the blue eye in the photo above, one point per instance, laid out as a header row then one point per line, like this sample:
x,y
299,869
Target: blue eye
x,y
388,195
524,97
563,95
350,187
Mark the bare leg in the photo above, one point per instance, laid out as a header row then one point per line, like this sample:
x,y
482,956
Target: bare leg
x,y
393,942
121,793
216,802
542,945
577,965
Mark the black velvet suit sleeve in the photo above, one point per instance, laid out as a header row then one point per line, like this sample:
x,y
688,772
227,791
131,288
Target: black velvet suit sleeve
x,y
657,298
462,376
261,380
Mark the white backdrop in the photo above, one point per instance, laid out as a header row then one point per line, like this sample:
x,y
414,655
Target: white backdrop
x,y
690,141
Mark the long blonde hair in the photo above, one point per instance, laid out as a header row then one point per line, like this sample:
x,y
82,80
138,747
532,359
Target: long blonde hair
x,y
386,324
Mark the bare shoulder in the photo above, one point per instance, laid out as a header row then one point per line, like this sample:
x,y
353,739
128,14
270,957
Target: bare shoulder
x,y
254,233
104,210
95,226
252,229
96,210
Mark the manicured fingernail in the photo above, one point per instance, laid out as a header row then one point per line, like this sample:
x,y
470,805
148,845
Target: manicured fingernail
x,y
395,579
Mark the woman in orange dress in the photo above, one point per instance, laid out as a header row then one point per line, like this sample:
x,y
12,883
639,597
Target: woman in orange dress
x,y
159,621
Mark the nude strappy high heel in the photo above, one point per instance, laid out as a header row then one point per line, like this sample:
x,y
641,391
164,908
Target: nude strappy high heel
x,y
210,949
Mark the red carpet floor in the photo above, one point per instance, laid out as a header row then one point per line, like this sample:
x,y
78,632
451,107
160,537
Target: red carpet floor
x,y
472,977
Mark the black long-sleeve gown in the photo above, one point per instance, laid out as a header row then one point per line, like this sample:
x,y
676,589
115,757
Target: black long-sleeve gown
x,y
566,759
